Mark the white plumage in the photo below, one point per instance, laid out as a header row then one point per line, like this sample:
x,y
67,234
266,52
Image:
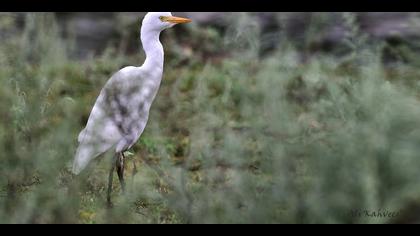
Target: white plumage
x,y
121,110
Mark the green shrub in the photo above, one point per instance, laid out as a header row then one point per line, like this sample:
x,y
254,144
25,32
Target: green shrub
x,y
242,139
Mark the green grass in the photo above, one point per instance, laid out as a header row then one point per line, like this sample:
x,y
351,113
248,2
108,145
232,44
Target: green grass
x,y
236,139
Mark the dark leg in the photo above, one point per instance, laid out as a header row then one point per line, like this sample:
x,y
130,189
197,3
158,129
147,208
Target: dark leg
x,y
134,173
120,170
134,168
110,178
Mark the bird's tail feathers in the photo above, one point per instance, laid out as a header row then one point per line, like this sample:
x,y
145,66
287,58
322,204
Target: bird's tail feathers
x,y
84,155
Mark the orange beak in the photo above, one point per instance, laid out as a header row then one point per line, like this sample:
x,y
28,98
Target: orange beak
x,y
175,20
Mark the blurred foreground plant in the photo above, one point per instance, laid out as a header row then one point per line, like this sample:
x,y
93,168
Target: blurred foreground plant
x,y
243,140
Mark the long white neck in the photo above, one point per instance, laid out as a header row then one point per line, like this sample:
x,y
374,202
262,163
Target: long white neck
x,y
153,49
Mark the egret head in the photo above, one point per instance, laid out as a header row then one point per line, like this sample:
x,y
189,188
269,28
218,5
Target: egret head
x,y
162,20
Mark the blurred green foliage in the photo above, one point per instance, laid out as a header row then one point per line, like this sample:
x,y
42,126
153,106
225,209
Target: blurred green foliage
x,y
232,137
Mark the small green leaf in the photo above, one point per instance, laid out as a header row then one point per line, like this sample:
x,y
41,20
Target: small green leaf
x,y
128,153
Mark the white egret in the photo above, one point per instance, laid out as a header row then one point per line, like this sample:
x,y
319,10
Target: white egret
x,y
121,110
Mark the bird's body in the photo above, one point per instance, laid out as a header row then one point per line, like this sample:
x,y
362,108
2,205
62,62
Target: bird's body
x,y
119,115
121,110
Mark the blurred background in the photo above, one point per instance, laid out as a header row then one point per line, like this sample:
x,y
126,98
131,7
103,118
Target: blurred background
x,y
261,118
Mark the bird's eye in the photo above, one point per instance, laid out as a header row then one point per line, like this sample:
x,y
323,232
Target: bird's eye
x,y
162,18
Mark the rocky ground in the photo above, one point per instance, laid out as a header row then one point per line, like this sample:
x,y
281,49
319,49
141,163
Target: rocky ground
x,y
95,31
